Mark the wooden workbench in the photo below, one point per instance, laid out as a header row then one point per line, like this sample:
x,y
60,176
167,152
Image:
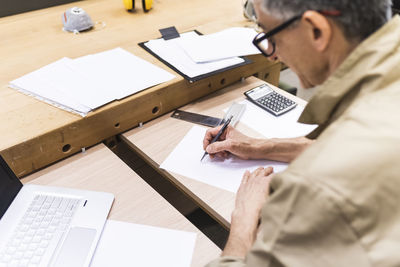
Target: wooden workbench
x,y
34,134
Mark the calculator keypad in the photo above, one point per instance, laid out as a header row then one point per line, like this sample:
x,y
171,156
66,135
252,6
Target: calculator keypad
x,y
275,102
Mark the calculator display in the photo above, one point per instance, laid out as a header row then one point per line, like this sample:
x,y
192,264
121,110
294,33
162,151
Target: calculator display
x,y
259,92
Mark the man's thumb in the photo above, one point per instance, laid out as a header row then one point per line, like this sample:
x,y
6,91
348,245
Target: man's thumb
x,y
216,147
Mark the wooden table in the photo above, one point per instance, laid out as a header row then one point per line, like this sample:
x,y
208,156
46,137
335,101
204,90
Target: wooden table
x,y
135,201
35,134
157,139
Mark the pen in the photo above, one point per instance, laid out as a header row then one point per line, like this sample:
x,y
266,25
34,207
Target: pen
x,y
218,135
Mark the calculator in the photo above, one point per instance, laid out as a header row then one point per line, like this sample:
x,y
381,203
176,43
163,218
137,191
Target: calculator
x,y
273,102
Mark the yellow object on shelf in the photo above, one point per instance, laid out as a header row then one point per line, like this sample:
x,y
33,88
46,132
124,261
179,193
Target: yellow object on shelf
x,y
130,5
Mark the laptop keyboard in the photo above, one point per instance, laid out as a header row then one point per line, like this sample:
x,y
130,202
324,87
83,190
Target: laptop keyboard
x,y
44,223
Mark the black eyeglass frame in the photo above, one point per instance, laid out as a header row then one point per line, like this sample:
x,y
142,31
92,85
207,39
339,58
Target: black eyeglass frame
x,y
262,36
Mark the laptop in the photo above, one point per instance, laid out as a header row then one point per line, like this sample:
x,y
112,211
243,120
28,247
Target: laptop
x,y
48,226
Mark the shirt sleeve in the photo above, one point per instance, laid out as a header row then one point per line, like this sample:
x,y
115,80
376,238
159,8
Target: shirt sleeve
x,y
302,225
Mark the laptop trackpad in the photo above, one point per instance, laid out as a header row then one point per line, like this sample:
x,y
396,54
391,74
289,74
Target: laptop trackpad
x,y
75,248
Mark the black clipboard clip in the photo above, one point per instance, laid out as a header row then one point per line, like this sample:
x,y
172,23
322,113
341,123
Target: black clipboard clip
x,y
169,33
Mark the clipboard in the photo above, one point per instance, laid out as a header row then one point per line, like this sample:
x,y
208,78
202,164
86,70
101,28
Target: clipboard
x,y
171,33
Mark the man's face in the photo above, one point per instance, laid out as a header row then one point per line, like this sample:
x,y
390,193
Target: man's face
x,y
294,48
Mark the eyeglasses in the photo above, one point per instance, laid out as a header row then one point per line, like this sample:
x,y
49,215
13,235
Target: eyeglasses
x,y
263,40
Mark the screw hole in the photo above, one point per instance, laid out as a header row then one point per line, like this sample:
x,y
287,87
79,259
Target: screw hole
x,y
266,76
209,85
223,81
155,110
116,125
66,148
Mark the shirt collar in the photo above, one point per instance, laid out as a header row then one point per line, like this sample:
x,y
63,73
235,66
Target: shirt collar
x,y
355,70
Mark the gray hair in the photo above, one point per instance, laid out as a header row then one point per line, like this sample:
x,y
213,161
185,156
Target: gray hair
x,y
358,19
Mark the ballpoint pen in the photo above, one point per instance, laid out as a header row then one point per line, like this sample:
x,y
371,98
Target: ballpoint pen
x,y
221,131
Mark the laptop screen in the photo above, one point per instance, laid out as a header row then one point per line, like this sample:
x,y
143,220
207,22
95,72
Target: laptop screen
x,y
9,186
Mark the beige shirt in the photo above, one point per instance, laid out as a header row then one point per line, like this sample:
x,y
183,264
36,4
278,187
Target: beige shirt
x,y
338,203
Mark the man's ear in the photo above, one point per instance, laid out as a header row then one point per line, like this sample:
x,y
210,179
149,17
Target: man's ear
x,y
319,29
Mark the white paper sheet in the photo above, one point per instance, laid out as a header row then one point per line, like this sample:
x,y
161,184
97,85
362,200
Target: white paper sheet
x,y
232,42
284,126
48,84
225,174
83,84
127,245
171,52
118,73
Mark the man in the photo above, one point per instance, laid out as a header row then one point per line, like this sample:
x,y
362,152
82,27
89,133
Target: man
x,y
338,203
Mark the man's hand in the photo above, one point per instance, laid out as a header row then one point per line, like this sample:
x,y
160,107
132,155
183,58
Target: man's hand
x,y
231,141
251,196
244,147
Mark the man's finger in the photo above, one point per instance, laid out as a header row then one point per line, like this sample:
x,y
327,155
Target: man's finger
x,y
246,177
220,155
268,171
257,172
209,136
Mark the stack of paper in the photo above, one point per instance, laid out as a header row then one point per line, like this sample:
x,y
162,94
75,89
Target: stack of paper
x,y
126,244
83,84
229,43
173,53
